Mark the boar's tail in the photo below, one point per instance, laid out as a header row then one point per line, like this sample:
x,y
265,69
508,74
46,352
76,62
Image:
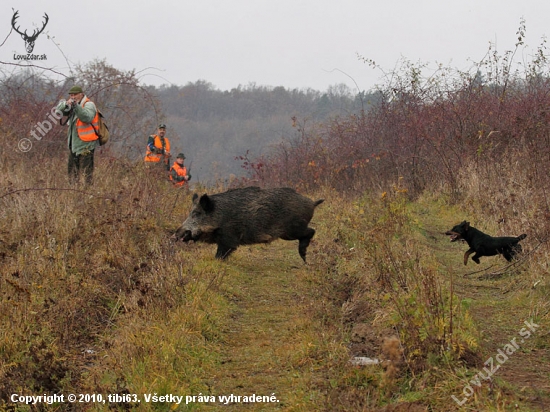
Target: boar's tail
x,y
318,202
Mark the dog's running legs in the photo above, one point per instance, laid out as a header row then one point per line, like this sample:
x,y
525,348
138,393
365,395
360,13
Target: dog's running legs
x,y
467,255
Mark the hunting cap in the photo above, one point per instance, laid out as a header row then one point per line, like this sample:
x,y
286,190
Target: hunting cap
x,y
75,90
162,126
180,156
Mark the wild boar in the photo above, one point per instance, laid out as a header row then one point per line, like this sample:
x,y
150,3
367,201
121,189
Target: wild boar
x,y
248,216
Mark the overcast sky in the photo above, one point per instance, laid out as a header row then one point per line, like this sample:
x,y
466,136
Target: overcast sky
x,y
291,43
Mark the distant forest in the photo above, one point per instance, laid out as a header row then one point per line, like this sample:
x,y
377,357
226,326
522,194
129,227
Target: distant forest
x,y
214,127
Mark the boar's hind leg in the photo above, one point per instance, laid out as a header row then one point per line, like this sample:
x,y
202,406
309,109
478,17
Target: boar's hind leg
x,y
303,234
304,242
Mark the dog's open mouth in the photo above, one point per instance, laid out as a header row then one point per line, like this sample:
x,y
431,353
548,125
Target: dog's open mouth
x,y
454,236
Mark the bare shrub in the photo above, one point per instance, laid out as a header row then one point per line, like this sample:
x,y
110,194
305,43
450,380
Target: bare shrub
x,y
425,129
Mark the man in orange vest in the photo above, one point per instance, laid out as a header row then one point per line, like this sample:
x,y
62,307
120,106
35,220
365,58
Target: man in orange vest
x,y
178,172
83,120
158,148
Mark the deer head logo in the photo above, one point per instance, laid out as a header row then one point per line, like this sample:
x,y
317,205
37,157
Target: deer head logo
x,y
29,40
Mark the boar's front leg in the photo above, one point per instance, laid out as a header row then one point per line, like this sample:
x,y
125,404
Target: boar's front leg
x,y
224,251
226,245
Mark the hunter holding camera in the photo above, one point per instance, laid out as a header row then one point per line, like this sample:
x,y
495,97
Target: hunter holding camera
x,y
83,120
158,148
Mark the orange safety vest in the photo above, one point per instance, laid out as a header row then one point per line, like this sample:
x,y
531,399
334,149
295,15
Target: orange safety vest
x,y
86,131
181,171
154,157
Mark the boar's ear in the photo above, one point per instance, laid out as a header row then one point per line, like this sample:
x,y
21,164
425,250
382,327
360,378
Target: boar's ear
x,y
466,225
195,197
206,203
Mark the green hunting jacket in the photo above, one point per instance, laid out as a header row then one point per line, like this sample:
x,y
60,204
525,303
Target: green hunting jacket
x,y
86,114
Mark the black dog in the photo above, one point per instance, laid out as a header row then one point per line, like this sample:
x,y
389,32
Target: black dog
x,y
483,244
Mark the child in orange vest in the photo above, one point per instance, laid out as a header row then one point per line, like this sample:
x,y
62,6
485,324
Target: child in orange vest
x,y
178,172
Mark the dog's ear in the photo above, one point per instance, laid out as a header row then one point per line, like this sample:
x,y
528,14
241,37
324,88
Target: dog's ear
x,y
466,225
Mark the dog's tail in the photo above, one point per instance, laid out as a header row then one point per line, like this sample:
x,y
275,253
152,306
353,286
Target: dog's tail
x,y
521,237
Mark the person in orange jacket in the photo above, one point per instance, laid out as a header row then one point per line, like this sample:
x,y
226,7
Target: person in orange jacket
x,y
82,119
158,148
178,172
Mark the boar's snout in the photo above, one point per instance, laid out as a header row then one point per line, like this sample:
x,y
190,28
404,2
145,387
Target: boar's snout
x,y
184,235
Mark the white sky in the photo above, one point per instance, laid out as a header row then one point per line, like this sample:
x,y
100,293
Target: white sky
x,y
290,43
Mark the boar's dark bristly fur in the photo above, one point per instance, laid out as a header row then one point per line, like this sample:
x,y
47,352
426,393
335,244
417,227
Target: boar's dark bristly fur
x,y
248,216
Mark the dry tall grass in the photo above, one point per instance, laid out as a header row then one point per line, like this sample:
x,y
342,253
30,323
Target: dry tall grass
x,y
77,261
95,298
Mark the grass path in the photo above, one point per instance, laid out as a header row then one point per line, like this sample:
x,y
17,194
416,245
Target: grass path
x,y
274,344
267,347
500,306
